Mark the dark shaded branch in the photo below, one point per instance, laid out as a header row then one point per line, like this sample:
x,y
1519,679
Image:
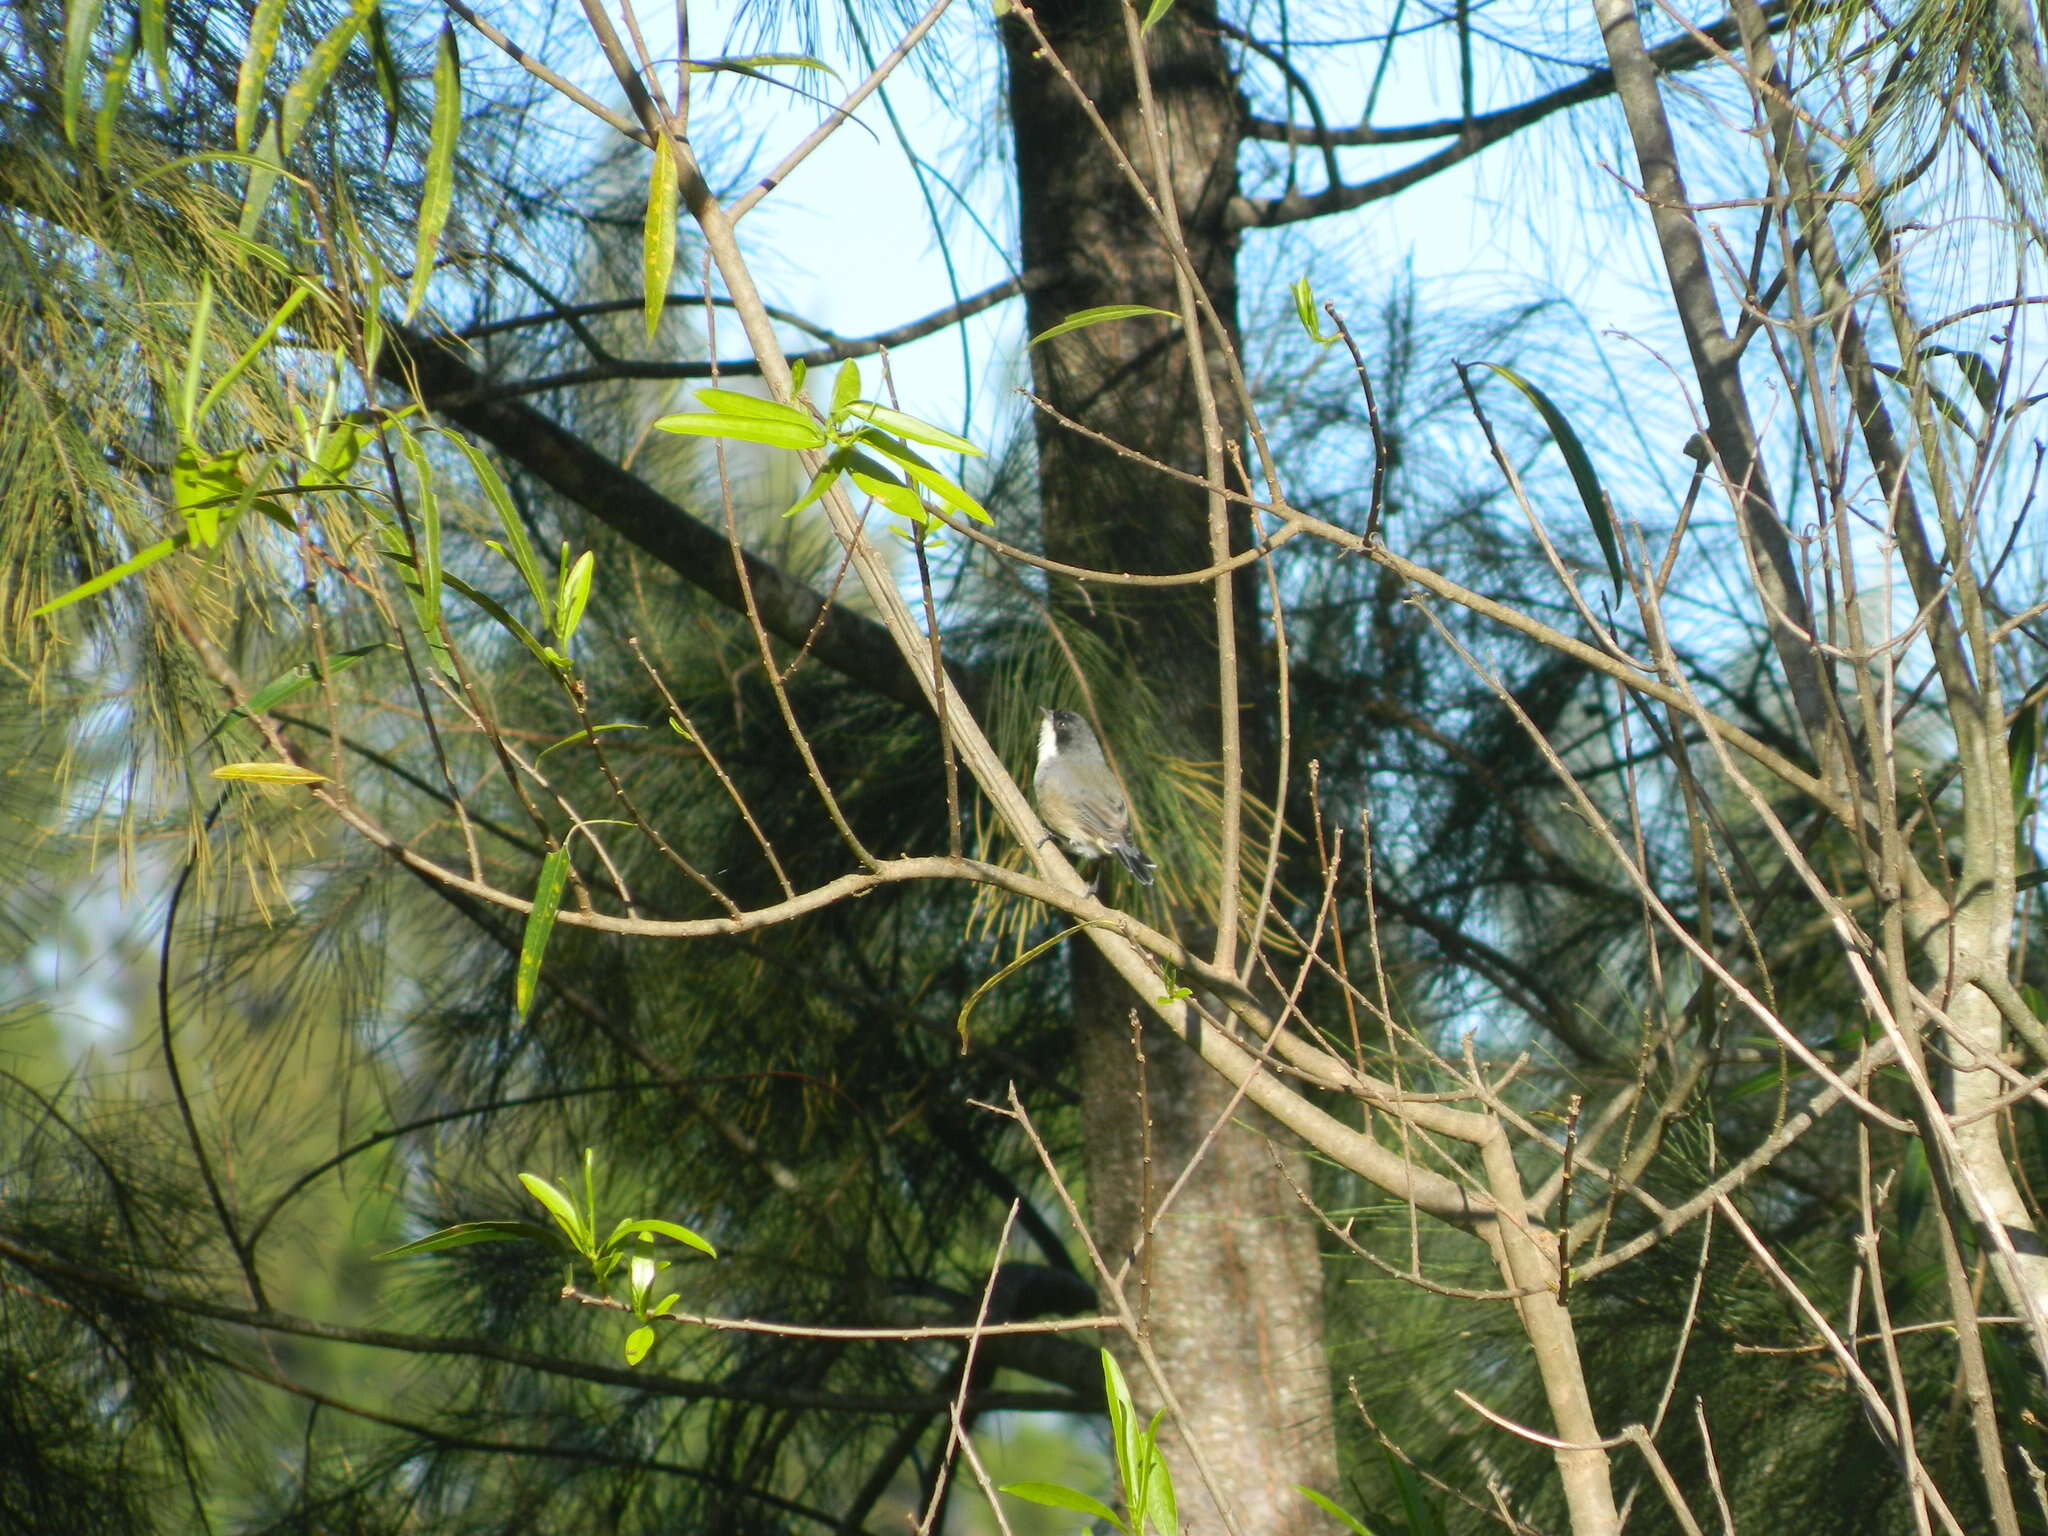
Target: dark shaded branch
x,y
836,348
851,644
1471,135
80,1278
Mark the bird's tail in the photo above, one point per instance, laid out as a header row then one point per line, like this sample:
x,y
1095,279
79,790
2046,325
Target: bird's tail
x,y
1135,861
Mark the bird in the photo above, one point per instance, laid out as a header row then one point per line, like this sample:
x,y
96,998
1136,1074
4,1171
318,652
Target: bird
x,y
1079,798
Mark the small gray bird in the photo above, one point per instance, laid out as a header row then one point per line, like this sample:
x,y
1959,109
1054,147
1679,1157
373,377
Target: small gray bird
x,y
1078,797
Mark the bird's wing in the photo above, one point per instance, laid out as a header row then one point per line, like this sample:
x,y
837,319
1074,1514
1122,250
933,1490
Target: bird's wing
x,y
1106,820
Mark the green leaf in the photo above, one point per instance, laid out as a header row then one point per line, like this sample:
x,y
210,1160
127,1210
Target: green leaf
x,y
81,20
796,435
594,731
821,482
304,92
1160,1506
266,165
477,1232
655,1227
389,86
268,773
1591,494
561,1207
289,685
491,606
195,357
428,531
540,922
658,235
888,490
1305,312
201,487
911,427
638,1342
752,63
845,388
139,562
1058,1496
113,90
250,353
918,470
438,192
1338,1511
264,24
1102,314
731,402
575,593
517,547
2022,743
1154,14
149,18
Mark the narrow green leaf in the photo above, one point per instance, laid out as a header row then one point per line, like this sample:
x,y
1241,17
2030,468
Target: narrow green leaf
x,y
195,357
655,1227
731,402
249,355
139,562
560,1206
1305,312
1154,14
594,731
658,237
266,165
662,1307
1102,314
81,20
638,1342
390,87
540,922
1336,1510
517,548
911,427
925,475
113,91
845,388
1161,1508
2022,742
268,773
437,193
149,18
492,607
429,532
304,93
202,487
1057,1496
289,685
264,25
1591,493
893,494
335,454
795,435
574,596
751,62
477,1232
821,482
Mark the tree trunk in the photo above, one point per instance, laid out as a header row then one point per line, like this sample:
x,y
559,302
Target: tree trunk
x,y
1229,1283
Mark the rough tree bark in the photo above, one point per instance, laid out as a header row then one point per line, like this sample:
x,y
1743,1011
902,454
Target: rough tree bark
x,y
1229,1281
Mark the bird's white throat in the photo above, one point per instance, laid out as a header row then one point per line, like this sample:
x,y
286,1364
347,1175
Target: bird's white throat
x,y
1048,741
